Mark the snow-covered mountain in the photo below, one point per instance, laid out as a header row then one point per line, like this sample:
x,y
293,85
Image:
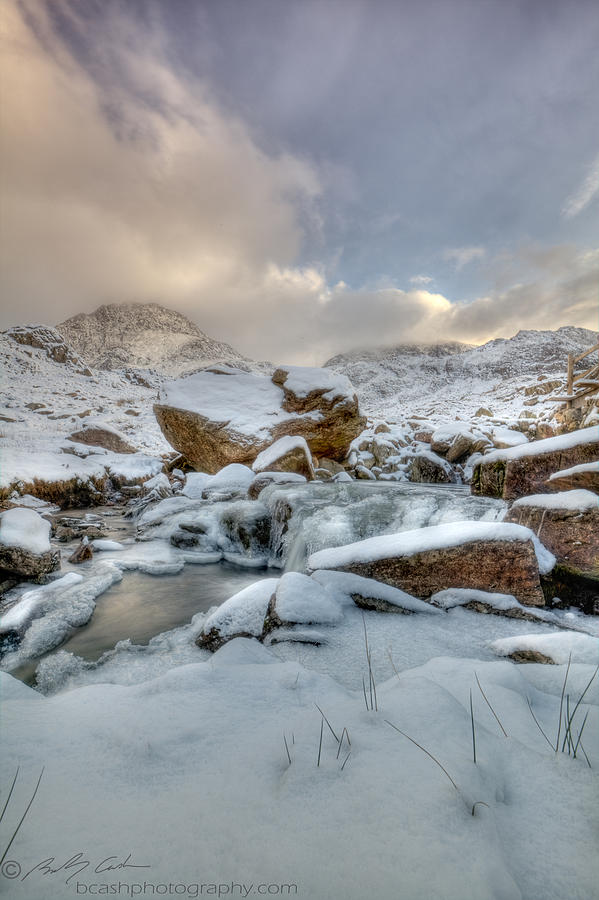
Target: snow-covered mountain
x,y
457,379
144,336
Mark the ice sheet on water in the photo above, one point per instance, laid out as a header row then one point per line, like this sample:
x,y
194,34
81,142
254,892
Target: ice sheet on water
x,y
60,610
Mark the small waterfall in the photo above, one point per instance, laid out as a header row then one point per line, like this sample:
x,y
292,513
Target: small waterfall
x,y
315,516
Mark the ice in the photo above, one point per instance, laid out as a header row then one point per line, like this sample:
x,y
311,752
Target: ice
x,y
302,600
104,545
280,448
315,516
567,500
25,528
244,612
581,648
408,543
31,603
195,482
57,610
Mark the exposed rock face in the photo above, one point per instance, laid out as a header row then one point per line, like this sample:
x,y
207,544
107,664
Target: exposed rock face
x,y
98,436
44,338
223,415
429,468
572,534
433,559
530,656
265,478
525,469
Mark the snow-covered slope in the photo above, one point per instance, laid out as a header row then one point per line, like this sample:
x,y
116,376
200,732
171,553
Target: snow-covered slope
x,y
145,336
449,379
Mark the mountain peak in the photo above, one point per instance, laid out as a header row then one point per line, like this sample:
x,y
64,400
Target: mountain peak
x,y
145,336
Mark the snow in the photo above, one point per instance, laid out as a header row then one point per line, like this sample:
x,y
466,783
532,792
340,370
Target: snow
x,y
101,544
452,597
245,403
508,436
583,648
31,603
134,466
280,448
25,528
575,470
244,612
302,600
349,584
567,500
436,537
548,445
195,482
234,477
201,748
46,465
304,380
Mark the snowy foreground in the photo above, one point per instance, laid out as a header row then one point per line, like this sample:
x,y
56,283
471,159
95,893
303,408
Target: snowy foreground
x,y
214,777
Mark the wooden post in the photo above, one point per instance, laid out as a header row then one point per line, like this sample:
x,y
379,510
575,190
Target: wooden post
x,y
570,385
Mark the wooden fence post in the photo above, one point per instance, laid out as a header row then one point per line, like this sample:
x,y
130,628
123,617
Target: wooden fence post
x,y
570,378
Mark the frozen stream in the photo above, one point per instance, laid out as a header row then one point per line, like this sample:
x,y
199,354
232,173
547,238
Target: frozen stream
x,y
146,623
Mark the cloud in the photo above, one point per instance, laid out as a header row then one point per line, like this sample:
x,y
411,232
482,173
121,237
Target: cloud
x,y
132,184
461,256
587,191
421,280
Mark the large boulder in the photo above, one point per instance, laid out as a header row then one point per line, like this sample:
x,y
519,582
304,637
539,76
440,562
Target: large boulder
x,y
489,556
25,550
222,415
524,469
567,523
585,476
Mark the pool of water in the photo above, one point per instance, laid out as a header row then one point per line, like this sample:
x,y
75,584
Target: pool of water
x,y
142,606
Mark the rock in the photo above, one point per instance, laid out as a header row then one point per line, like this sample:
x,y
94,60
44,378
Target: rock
x,y
25,550
288,454
330,464
223,415
585,476
530,656
425,436
524,469
82,553
487,556
429,468
299,600
567,586
567,523
265,478
483,411
102,436
51,342
240,616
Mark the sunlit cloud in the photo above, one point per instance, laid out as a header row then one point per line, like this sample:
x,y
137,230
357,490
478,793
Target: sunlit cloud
x,y
461,256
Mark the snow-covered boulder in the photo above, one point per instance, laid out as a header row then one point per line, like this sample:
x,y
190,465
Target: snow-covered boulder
x,y
223,415
549,648
101,435
585,476
524,469
456,442
25,549
288,454
300,600
566,522
491,556
242,615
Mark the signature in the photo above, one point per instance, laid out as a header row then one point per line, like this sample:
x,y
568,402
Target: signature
x,y
78,863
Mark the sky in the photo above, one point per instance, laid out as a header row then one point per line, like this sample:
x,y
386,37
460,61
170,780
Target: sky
x,y
303,177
